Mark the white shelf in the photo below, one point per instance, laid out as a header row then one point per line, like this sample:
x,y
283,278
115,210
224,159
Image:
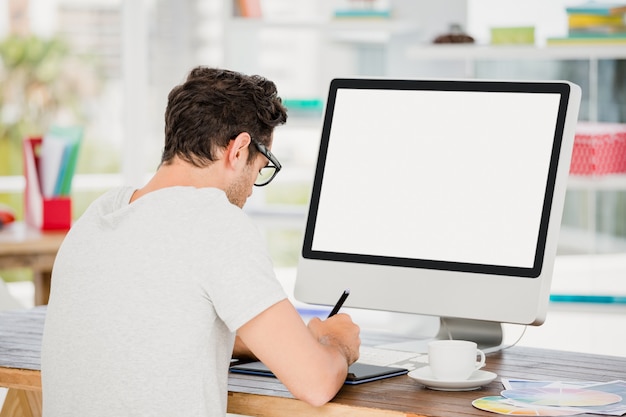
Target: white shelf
x,y
455,52
357,30
612,182
392,26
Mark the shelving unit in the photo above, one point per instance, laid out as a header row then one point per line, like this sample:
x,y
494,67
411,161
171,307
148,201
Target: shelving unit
x,y
398,47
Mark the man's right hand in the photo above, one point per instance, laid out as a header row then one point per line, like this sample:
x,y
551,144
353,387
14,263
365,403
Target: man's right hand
x,y
338,331
311,361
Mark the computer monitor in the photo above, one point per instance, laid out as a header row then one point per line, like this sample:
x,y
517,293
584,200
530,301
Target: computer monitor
x,y
440,198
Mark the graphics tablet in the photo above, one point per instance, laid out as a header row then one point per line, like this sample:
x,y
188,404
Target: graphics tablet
x,y
358,373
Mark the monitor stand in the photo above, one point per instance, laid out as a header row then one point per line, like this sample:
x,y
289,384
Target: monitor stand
x,y
487,334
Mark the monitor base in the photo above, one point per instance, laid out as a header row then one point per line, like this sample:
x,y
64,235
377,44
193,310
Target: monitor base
x,y
487,334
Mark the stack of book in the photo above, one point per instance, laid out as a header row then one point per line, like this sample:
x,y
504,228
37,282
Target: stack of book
x,y
360,9
594,23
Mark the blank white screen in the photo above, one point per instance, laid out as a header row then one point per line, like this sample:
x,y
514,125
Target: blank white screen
x,y
436,175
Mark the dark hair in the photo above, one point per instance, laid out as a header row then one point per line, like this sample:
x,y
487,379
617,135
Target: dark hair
x,y
212,107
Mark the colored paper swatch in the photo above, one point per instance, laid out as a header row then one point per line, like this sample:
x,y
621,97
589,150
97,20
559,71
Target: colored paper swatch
x,y
561,397
501,405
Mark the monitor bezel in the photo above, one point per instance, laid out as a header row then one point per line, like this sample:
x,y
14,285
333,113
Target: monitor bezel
x,y
563,89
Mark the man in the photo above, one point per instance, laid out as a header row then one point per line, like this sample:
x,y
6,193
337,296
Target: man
x,y
151,286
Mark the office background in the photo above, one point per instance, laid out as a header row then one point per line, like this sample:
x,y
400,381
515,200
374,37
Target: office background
x,y
122,58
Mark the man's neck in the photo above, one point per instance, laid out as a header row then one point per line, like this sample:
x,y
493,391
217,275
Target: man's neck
x,y
183,174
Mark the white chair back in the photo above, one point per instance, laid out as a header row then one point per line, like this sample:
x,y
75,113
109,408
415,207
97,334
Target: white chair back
x,y
7,301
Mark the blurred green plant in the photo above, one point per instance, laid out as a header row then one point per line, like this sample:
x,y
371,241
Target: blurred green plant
x,y
41,83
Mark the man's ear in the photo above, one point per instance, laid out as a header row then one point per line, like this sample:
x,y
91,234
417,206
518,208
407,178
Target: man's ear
x,y
237,150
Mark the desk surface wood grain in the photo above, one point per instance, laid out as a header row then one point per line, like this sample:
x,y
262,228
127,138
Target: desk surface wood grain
x,y
405,396
21,332
20,343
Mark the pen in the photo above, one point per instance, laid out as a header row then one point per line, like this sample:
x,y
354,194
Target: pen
x,y
340,302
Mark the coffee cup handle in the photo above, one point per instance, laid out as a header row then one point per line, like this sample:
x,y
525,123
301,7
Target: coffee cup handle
x,y
480,363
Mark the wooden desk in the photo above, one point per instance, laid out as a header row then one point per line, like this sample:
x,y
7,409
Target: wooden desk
x,y
25,247
20,342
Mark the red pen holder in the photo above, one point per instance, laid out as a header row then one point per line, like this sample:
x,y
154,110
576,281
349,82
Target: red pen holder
x,y
56,213
41,212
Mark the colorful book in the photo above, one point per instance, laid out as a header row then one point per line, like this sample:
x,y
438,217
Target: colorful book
x,y
594,39
314,104
362,13
51,163
597,8
33,210
593,20
248,8
73,136
598,30
59,154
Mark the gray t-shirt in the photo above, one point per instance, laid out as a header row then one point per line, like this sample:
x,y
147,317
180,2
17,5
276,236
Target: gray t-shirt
x,y
145,301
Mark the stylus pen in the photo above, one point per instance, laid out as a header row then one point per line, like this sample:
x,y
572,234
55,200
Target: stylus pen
x,y
340,302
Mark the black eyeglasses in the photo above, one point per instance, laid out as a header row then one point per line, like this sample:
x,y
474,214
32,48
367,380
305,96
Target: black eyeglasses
x,y
268,172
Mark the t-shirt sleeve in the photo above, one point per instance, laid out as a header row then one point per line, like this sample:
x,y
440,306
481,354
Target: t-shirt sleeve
x,y
247,284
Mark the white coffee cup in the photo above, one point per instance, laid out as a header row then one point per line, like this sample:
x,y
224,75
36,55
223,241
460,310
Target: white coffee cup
x,y
454,360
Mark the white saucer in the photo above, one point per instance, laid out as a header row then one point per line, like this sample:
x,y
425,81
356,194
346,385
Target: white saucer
x,y
476,380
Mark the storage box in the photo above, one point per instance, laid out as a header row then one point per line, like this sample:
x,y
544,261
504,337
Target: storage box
x,y
524,35
599,149
44,213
